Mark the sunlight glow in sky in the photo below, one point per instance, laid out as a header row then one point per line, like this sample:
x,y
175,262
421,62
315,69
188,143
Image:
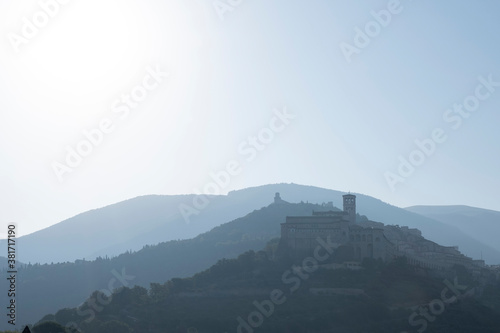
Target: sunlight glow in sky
x,y
226,79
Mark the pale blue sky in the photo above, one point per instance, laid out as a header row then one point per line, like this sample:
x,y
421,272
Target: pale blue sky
x,y
353,120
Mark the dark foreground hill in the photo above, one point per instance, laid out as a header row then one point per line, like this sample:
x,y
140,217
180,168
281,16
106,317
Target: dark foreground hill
x,y
256,294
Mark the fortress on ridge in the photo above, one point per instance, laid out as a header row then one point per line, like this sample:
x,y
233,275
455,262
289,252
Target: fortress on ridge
x,y
356,238
299,233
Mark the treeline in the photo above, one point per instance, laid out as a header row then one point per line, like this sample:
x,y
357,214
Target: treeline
x,y
237,292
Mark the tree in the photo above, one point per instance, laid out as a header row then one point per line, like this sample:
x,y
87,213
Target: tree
x,y
66,316
114,326
49,327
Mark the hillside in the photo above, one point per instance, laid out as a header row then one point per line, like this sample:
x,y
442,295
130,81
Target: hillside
x,y
149,220
256,293
3,263
481,224
51,287
47,288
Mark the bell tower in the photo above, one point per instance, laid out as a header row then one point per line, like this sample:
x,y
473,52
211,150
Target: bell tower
x,y
350,207
277,198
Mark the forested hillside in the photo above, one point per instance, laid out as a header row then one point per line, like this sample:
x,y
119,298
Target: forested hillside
x,y
254,293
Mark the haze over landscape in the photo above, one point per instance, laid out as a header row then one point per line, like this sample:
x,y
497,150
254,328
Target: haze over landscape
x,y
210,166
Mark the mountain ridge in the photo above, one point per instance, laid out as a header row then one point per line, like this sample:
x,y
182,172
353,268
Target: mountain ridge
x,y
479,223
151,219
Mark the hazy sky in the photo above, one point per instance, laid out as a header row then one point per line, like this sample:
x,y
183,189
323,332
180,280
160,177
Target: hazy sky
x,y
352,94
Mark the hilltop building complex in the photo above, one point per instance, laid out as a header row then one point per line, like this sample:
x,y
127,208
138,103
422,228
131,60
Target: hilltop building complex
x,y
357,238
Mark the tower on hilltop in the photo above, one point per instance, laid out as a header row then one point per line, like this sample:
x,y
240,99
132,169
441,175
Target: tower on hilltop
x,y
350,207
277,198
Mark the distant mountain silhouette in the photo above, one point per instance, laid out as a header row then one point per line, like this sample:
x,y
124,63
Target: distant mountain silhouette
x,y
481,224
4,263
148,220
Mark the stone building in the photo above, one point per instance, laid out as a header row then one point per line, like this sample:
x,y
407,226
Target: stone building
x,y
299,234
357,240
